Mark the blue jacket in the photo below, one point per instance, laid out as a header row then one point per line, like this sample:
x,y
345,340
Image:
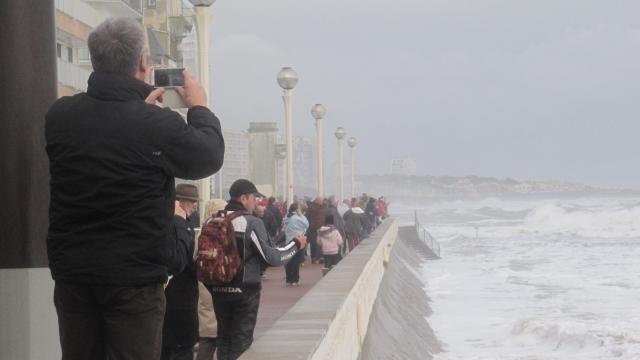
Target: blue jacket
x,y
295,225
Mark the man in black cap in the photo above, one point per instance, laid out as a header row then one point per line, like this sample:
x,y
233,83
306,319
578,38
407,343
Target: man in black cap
x,y
236,303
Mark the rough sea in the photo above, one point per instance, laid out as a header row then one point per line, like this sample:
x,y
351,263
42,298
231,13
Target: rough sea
x,y
533,279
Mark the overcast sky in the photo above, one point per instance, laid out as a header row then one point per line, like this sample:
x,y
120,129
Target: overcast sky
x,y
530,89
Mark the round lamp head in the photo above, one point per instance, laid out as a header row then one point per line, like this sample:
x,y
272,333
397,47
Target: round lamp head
x,y
352,142
287,78
318,111
202,2
340,133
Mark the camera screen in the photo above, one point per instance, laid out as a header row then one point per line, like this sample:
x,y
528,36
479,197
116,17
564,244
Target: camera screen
x,y
169,77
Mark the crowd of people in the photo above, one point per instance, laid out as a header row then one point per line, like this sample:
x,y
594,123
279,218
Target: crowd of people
x,y
122,242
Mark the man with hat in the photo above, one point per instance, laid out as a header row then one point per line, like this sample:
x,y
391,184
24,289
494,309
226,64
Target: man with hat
x,y
236,303
180,327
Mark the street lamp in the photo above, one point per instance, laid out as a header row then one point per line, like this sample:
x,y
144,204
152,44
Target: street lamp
x,y
318,111
281,154
340,135
287,79
201,10
352,142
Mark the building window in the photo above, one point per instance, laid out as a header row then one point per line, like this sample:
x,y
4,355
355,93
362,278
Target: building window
x,y
151,4
70,55
59,50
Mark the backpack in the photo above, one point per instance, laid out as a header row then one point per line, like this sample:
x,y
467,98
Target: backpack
x,y
218,260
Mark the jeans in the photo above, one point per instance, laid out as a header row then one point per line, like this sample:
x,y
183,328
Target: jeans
x,y
109,322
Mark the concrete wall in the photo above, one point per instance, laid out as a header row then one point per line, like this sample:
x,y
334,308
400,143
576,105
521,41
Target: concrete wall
x,y
331,320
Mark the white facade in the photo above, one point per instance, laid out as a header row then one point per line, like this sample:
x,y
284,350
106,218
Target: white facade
x,y
236,162
75,18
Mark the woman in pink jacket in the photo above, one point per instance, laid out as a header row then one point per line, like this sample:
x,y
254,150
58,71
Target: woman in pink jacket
x,y
330,242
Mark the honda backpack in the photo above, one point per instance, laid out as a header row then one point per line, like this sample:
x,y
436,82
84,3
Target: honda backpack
x,y
218,260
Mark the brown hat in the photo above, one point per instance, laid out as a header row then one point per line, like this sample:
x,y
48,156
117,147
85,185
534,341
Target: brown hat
x,y
187,192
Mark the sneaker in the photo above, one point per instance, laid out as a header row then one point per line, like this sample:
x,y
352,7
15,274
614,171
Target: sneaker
x,y
295,284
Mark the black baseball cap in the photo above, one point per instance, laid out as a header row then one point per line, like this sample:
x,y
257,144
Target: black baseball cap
x,y
243,187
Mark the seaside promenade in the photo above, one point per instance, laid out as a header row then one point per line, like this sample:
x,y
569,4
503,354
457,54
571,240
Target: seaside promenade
x,y
276,298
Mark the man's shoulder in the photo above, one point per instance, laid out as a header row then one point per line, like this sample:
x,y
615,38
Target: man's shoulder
x,y
62,104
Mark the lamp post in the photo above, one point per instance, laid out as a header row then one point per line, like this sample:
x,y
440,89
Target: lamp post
x,y
201,10
287,79
318,111
340,135
281,154
352,142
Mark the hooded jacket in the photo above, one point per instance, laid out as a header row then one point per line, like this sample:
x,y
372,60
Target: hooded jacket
x,y
355,221
329,239
113,159
253,246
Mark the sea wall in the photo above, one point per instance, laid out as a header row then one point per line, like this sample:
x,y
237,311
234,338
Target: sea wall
x,y
398,325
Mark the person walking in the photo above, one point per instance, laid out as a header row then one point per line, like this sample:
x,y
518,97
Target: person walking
x,y
113,157
338,221
236,303
330,242
355,221
315,213
207,324
295,224
180,327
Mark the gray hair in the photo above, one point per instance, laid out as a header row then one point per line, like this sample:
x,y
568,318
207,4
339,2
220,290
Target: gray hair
x,y
116,45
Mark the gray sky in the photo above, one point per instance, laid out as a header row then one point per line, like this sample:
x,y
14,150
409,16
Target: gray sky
x,y
535,89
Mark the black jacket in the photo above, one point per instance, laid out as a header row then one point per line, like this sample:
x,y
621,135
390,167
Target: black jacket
x,y
180,326
113,159
254,249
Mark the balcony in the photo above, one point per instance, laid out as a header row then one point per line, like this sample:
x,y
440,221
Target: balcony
x,y
131,8
72,75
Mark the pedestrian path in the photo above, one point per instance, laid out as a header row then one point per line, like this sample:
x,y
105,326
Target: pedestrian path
x,y
276,298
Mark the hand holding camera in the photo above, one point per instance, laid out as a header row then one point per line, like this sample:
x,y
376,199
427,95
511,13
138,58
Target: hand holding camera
x,y
193,93
177,88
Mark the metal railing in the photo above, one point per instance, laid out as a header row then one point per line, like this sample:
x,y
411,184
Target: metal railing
x,y
425,236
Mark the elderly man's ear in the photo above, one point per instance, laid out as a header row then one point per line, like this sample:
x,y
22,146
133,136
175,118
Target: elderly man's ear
x,y
144,70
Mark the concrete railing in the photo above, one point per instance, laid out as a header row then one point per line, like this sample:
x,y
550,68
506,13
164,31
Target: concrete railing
x,y
331,320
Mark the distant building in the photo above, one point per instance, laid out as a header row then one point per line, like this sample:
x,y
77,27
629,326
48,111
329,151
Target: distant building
x,y
403,166
166,24
263,137
75,19
304,180
236,162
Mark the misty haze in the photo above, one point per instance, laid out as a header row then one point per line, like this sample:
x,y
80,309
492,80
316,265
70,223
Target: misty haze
x,y
486,151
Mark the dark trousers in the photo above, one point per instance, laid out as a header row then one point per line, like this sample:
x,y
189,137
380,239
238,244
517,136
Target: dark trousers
x,y
331,260
109,322
177,354
312,236
206,348
352,240
292,268
236,317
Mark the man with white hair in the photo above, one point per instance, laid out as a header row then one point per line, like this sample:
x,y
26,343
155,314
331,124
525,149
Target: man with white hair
x,y
113,158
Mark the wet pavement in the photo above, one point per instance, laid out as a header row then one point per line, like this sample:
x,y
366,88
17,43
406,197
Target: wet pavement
x,y
277,298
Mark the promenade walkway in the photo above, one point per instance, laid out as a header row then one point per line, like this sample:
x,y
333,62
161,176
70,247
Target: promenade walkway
x,y
276,298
